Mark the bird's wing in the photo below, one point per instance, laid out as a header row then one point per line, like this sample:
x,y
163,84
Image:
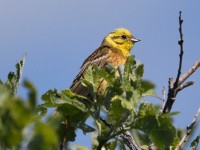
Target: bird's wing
x,y
98,57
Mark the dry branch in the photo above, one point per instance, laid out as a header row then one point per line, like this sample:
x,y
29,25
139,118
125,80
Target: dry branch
x,y
130,141
176,86
189,130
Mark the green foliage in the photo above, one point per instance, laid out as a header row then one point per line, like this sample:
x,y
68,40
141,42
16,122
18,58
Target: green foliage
x,y
195,143
12,82
115,105
123,90
155,125
68,107
12,123
43,137
20,126
123,109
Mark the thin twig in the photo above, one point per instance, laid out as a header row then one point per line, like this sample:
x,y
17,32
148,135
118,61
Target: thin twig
x,y
189,72
129,141
164,94
180,42
126,136
189,130
176,86
172,88
184,85
103,141
163,97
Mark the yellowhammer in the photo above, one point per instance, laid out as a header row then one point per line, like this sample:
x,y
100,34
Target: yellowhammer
x,y
114,49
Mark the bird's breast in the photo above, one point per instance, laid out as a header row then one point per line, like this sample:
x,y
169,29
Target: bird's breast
x,y
116,59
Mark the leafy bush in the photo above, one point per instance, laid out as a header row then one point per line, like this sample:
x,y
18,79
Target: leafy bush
x,y
119,112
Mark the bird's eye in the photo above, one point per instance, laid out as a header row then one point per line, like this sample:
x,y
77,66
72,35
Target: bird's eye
x,y
123,36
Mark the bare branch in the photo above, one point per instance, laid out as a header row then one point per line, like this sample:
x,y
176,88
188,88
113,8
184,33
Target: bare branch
x,y
184,85
180,42
189,130
190,71
126,136
130,141
164,94
172,91
163,97
170,97
176,86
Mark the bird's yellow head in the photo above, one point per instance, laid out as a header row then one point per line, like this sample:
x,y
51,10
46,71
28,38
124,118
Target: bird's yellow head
x,y
120,40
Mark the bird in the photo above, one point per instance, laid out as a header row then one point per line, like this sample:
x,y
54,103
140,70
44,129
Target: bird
x,y
114,49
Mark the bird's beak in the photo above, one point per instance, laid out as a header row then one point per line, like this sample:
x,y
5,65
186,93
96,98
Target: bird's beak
x,y
134,39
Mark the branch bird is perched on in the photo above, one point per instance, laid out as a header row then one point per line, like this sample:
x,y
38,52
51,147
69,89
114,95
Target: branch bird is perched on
x,y
114,49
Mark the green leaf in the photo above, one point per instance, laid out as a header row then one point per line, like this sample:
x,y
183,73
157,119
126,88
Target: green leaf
x,y
1,82
118,112
136,96
111,145
130,65
49,97
41,111
127,104
175,142
195,143
150,93
139,71
32,93
13,80
90,81
147,85
70,135
174,113
110,68
15,115
107,74
69,108
145,147
85,128
19,67
70,94
53,98
43,138
70,102
157,126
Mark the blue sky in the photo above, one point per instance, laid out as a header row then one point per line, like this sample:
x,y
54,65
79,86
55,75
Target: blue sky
x,y
58,35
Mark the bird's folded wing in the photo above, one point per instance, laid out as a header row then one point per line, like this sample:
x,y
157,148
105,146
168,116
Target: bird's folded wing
x,y
99,57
